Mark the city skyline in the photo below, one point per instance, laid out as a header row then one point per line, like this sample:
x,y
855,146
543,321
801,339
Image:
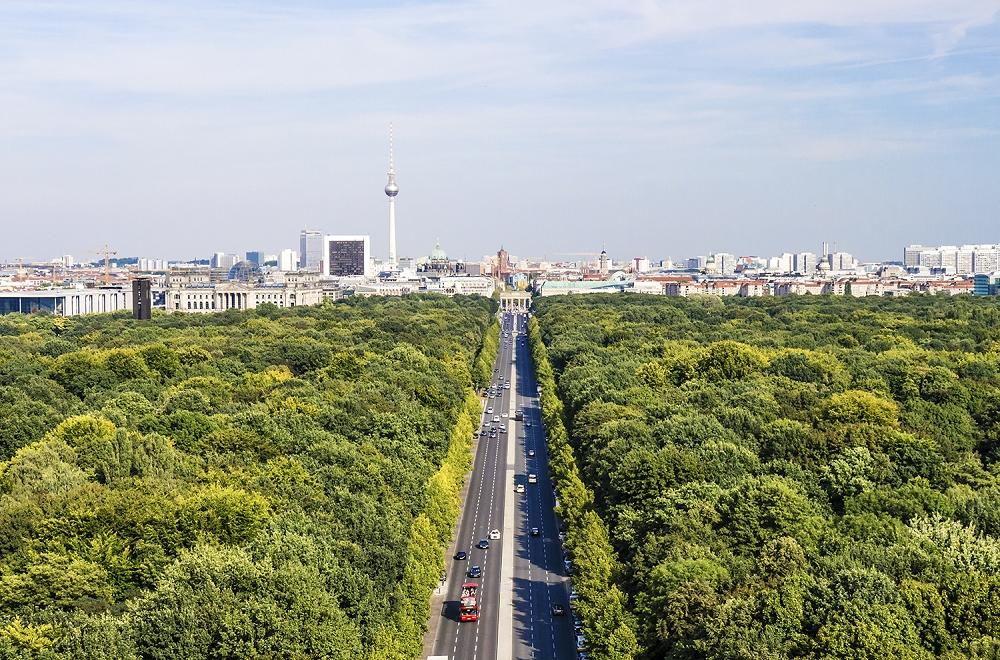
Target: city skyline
x,y
652,130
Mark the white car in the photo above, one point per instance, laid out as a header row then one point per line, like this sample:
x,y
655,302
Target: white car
x,y
504,414
496,418
489,411
532,478
531,452
519,488
494,534
506,386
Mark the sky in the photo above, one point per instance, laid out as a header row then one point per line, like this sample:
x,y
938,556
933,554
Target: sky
x,y
651,128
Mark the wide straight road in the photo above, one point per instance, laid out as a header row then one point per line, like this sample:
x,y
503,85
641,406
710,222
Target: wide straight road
x,y
540,579
516,598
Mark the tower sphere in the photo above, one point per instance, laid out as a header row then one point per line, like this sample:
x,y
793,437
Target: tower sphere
x,y
391,189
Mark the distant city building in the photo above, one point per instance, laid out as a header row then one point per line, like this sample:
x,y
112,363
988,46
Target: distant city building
x,y
67,260
640,264
805,263
224,261
310,250
986,284
189,292
255,258
959,260
148,265
697,263
288,260
347,256
66,302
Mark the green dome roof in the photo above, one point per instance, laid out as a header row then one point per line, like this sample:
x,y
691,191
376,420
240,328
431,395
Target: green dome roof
x,y
438,254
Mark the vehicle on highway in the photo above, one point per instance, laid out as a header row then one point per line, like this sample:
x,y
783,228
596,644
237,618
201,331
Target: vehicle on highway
x,y
506,386
532,478
503,414
475,571
528,424
483,432
461,554
489,411
519,488
483,544
558,610
519,414
496,418
494,534
503,429
531,452
468,609
535,531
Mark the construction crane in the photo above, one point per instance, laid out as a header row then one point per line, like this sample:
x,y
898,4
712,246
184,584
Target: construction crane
x,y
107,252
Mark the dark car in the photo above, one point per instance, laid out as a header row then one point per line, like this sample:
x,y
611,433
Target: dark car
x,y
475,571
558,610
535,531
527,424
483,544
461,555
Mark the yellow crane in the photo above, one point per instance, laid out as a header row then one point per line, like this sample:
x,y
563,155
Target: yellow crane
x,y
107,252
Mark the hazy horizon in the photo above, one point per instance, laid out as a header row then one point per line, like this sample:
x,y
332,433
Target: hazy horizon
x,y
650,128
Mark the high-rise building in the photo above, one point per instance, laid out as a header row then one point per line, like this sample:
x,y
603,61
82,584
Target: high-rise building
x,y
347,256
391,190
805,263
311,250
255,258
223,260
288,259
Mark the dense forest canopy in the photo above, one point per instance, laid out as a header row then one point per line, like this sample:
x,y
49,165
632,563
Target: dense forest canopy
x,y
791,478
275,483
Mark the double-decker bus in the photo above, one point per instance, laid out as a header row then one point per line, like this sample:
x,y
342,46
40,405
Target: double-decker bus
x,y
468,606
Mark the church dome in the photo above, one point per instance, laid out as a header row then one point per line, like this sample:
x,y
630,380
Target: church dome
x,y
438,254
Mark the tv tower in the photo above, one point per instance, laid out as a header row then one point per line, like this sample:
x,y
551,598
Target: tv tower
x,y
391,189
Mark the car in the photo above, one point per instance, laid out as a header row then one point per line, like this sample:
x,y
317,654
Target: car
x,y
483,544
531,452
519,488
503,429
461,555
506,386
535,531
475,571
496,418
489,411
494,534
532,478
528,424
558,610
503,414
483,433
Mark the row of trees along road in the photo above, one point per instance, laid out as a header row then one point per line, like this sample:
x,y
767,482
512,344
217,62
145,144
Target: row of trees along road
x,y
788,478
275,483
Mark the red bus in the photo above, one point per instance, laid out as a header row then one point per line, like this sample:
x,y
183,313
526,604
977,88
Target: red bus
x,y
468,606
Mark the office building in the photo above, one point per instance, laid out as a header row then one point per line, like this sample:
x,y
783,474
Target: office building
x,y
224,261
311,250
288,260
66,302
347,256
256,258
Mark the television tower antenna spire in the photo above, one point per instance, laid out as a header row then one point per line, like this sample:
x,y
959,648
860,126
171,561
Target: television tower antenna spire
x,y
391,189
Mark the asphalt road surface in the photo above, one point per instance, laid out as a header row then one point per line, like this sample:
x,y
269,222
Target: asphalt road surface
x,y
524,627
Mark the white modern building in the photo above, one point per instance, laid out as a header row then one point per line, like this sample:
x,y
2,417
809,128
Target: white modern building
x,y
204,298
67,302
288,260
